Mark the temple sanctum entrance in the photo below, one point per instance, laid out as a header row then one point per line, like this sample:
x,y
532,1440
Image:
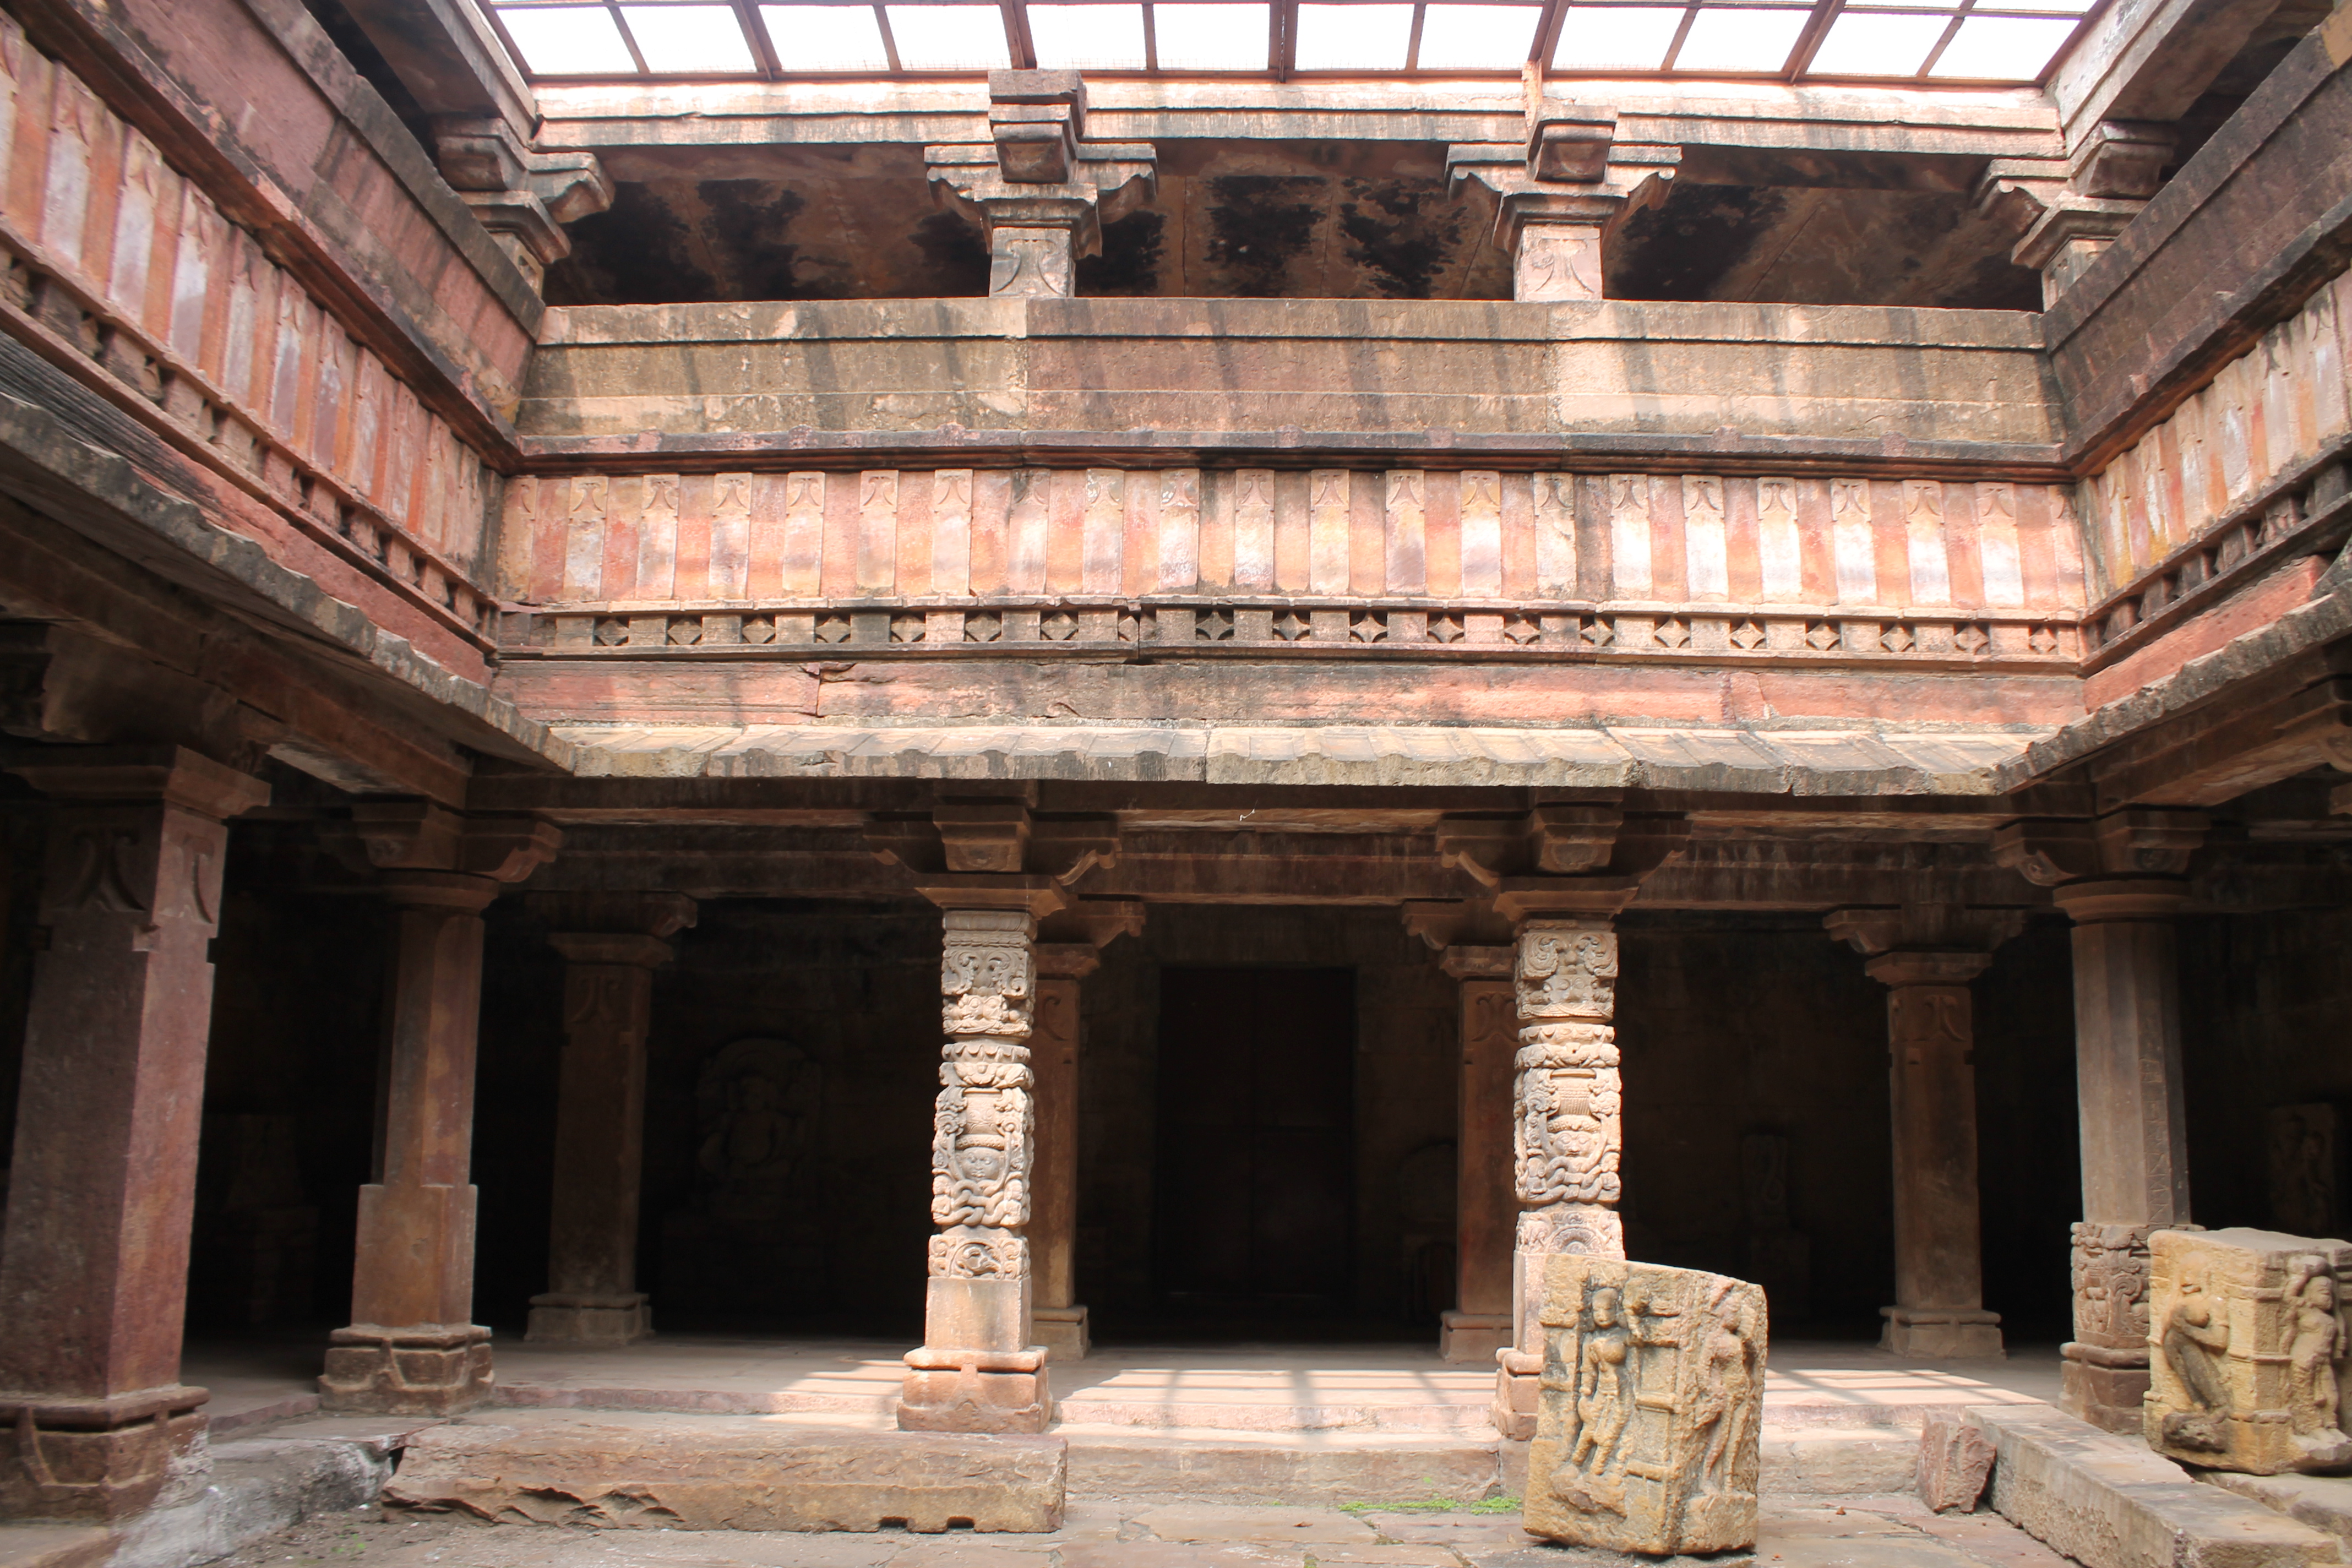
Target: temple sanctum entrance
x,y
1254,1175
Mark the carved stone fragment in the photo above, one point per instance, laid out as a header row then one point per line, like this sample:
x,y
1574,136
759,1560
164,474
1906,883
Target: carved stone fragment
x,y
1652,1402
2249,1347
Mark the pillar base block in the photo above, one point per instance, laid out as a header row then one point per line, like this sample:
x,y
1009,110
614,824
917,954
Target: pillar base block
x,y
2106,1387
433,1369
1061,1331
976,1391
616,1319
1519,1381
64,1458
1941,1333
1471,1337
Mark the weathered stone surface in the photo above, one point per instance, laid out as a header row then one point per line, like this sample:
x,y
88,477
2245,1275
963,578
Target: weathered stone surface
x,y
684,1474
1650,1410
2250,1340
1955,1463
2323,1502
2107,1502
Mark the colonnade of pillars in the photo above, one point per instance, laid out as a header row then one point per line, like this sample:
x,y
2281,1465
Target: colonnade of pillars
x,y
94,1422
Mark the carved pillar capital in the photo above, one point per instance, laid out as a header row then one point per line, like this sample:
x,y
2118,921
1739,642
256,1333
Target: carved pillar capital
x,y
401,838
2127,865
1038,189
521,195
1560,193
1925,943
2066,211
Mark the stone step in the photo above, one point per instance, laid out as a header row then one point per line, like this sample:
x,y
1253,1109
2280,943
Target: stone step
x,y
54,1546
2323,1502
2108,1502
1325,1467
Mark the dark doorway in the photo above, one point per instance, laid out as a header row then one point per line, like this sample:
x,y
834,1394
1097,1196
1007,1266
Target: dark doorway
x,y
1257,1159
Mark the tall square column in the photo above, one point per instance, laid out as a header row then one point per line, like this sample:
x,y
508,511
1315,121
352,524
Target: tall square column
x,y
1486,1208
1057,1322
977,1370
411,1348
94,1421
612,943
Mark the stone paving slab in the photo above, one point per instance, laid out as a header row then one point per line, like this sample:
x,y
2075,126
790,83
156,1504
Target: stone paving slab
x,y
1872,1532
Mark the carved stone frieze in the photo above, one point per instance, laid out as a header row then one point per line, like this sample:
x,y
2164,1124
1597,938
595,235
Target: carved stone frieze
x,y
1570,1120
979,1253
988,973
2253,1347
2110,1279
1567,971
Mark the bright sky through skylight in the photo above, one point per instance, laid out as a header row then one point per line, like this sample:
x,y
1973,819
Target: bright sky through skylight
x,y
1941,40
949,37
1353,37
688,37
1211,37
1477,38
825,38
1103,37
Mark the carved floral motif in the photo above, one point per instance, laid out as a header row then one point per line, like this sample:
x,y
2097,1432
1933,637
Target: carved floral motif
x,y
2110,1275
987,973
1566,968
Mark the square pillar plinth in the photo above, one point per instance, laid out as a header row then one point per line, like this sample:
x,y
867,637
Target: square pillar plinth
x,y
952,1385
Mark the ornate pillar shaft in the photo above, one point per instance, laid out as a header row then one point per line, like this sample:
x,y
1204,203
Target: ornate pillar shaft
x,y
94,1421
1938,1307
592,1296
1570,1128
977,1371
410,1348
1058,1322
1487,1211
2134,1133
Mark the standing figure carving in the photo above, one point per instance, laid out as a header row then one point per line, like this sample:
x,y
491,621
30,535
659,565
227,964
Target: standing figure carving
x,y
2251,1350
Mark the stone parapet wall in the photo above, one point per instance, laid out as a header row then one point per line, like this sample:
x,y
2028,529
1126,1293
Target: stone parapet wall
x,y
1326,560
126,272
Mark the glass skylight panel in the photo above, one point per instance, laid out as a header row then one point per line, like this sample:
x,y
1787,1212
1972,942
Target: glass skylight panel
x,y
2002,49
1100,37
569,40
1477,38
825,38
949,37
1208,37
1722,38
1609,37
1353,37
2072,7
689,37
1861,43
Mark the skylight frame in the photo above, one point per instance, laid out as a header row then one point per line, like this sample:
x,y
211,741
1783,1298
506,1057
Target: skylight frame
x,y
1821,16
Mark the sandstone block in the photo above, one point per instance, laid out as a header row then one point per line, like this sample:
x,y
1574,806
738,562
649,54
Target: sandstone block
x,y
1651,1409
2250,1344
689,1474
1955,1463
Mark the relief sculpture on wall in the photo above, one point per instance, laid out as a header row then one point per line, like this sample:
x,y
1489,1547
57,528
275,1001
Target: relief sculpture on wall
x,y
2251,1351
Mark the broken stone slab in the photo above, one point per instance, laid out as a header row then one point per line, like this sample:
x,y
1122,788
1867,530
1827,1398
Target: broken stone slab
x,y
2107,1502
731,1473
1955,1463
2248,1339
1649,1408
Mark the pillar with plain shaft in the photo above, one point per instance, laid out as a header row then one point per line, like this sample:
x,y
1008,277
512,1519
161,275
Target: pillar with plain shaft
x,y
95,1422
1485,1213
611,943
411,1347
1057,1322
2122,879
1926,955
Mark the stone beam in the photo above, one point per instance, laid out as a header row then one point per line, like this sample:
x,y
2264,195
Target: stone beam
x,y
2150,61
449,59
523,196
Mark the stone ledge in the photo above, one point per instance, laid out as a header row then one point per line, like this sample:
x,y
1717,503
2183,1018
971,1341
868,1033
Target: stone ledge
x,y
2323,1502
2108,1502
730,1473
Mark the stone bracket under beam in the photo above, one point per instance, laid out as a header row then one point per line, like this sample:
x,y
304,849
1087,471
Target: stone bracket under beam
x,y
1554,228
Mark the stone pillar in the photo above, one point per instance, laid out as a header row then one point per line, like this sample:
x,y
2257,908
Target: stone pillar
x,y
1056,1320
600,1110
1486,1211
1558,194
411,1348
2134,1133
1567,1106
2122,879
1039,189
95,1422
2067,211
977,1370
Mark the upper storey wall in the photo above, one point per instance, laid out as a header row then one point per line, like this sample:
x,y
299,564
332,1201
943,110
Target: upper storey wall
x,y
1015,380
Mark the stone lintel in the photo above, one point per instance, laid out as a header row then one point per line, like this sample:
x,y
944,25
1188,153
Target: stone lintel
x,y
1570,141
1067,960
1478,963
1035,896
637,948
1093,922
618,914
1930,931
1908,967
2135,841
1528,897
418,835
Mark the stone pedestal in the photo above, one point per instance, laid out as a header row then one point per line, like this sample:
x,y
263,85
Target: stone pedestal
x,y
1057,1322
2134,1133
94,1421
977,1370
2251,1340
1568,1107
1938,1308
592,1267
1486,1211
1650,1409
